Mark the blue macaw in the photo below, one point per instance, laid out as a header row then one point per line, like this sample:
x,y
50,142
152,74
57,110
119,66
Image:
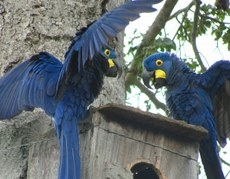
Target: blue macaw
x,y
198,99
65,90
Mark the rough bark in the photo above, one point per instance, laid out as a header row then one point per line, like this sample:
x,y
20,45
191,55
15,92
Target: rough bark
x,y
28,144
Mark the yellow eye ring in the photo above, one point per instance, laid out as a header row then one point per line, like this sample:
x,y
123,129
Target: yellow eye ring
x,y
107,52
159,63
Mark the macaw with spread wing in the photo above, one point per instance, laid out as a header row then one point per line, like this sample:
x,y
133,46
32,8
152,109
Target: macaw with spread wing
x,y
198,99
65,90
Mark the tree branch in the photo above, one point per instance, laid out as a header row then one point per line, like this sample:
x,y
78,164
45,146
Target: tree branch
x,y
150,95
186,9
148,41
214,19
194,34
149,38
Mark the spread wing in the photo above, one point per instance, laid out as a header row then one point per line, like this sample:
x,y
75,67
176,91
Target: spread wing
x,y
30,84
217,82
91,39
108,26
222,112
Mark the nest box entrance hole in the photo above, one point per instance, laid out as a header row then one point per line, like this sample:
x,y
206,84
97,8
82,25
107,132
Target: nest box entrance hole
x,y
144,171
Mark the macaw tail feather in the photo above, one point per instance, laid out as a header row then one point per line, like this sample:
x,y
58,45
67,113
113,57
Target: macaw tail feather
x,y
69,162
210,159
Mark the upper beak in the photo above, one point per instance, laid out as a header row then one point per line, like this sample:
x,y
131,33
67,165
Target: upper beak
x,y
146,77
115,68
158,77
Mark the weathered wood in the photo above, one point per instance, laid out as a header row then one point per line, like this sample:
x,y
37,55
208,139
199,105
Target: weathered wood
x,y
117,138
122,136
126,114
16,138
43,157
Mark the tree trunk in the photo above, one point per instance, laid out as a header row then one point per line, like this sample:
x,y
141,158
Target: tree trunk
x,y
28,143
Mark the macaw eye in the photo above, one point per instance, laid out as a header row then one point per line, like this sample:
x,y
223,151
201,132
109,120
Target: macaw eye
x,y
159,63
107,52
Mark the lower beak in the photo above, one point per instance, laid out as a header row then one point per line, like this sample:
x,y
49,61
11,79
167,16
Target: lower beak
x,y
115,68
159,82
158,77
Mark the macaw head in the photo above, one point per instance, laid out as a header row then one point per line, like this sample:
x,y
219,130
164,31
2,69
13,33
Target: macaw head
x,y
107,62
157,67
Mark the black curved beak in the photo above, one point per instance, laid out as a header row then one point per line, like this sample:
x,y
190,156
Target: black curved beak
x,y
158,81
115,68
146,77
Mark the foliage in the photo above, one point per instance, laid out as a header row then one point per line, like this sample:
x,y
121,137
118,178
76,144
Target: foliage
x,y
210,20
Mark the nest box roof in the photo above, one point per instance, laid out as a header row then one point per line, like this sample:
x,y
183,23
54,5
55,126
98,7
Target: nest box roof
x,y
130,115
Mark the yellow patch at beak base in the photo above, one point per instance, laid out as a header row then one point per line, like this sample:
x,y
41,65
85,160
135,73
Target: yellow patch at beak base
x,y
160,74
111,63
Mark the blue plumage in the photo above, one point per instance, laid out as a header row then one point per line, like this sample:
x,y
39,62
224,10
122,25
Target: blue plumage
x,y
33,84
193,97
65,90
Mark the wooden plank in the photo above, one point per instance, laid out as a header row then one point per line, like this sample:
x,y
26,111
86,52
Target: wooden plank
x,y
132,116
115,154
123,136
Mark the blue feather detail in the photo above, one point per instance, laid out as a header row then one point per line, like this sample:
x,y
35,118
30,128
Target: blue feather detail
x,y
91,39
27,86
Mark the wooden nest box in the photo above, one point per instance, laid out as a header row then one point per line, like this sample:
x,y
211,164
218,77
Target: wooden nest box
x,y
127,143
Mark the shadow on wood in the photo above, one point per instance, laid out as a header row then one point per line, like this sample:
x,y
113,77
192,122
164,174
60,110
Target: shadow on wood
x,y
144,171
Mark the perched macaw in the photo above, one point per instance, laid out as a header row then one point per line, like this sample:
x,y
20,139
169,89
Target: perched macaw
x,y
198,99
65,90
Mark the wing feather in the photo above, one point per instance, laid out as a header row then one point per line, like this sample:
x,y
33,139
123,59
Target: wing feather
x,y
221,104
30,84
108,26
216,80
90,40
